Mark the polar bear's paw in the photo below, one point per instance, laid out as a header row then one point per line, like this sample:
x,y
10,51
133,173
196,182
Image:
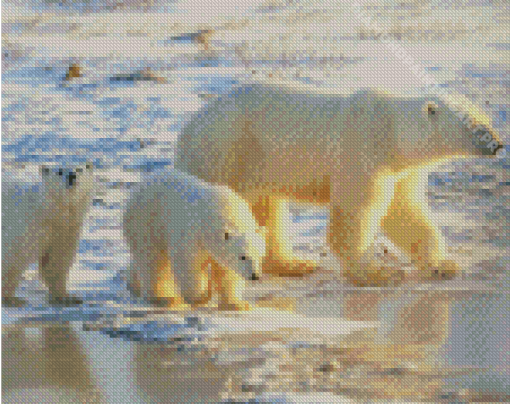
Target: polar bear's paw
x,y
234,306
65,301
367,275
293,268
167,302
12,302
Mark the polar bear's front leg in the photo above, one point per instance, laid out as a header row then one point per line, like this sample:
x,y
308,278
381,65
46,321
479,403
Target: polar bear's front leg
x,y
163,290
55,264
191,269
354,223
409,226
348,233
272,212
228,284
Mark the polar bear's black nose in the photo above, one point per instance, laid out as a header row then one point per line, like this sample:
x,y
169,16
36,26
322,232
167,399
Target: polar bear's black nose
x,y
71,179
254,277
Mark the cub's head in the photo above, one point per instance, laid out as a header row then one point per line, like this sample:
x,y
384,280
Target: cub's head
x,y
68,182
244,252
437,127
240,244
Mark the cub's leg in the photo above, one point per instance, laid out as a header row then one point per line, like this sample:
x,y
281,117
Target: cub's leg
x,y
191,270
56,261
273,213
228,284
150,274
164,289
409,226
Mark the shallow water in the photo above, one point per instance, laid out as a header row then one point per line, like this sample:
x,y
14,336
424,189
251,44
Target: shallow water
x,y
310,340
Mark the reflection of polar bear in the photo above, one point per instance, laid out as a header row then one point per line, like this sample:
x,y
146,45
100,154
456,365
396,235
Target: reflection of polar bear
x,y
49,360
41,223
353,152
180,220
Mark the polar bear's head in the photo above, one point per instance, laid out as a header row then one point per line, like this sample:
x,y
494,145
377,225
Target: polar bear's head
x,y
244,253
67,184
428,128
241,244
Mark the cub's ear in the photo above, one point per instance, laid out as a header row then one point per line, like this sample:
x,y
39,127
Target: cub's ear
x,y
89,165
44,170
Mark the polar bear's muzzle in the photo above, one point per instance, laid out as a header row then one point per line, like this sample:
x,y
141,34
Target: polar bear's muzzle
x,y
489,143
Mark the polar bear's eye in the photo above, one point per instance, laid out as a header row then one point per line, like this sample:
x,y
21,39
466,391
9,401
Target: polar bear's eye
x,y
60,172
226,236
243,257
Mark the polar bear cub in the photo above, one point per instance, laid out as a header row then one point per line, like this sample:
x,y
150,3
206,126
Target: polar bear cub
x,y
41,223
201,236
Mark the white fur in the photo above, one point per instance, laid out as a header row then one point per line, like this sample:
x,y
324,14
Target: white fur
x,y
41,223
270,143
187,219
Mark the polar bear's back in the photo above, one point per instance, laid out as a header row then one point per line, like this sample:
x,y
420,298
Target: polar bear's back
x,y
263,120
177,200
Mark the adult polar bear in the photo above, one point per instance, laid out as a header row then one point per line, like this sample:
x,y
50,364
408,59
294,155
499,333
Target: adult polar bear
x,y
357,152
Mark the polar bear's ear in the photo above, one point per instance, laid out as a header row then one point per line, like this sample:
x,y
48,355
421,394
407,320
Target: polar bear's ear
x,y
45,170
431,108
89,165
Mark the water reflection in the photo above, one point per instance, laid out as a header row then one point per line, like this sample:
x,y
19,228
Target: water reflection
x,y
479,339
162,372
432,345
45,363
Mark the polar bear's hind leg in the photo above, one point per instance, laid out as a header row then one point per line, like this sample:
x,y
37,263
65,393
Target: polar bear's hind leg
x,y
272,212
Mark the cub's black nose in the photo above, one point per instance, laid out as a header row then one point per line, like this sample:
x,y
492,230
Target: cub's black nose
x,y
71,179
254,277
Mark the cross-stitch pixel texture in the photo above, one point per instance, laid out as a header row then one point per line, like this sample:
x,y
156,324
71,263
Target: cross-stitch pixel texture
x,y
284,201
